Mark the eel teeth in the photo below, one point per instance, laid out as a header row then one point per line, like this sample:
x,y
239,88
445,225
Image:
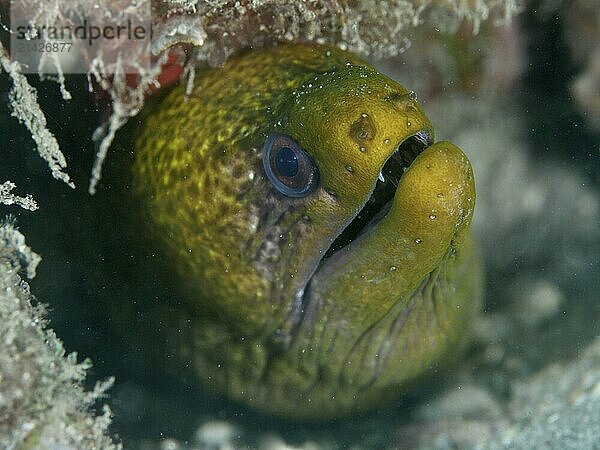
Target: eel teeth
x,y
381,177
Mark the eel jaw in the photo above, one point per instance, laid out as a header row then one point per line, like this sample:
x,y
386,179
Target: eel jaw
x,y
423,206
381,197
374,209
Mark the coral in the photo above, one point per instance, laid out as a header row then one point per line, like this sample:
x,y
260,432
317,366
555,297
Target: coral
x,y
8,198
376,28
42,401
23,103
212,30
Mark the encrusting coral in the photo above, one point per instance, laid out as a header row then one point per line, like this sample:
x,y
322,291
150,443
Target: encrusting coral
x,y
191,33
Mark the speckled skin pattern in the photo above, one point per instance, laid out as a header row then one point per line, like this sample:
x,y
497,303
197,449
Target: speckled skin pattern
x,y
265,319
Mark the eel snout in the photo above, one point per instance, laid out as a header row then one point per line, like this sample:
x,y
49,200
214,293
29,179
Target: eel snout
x,y
429,215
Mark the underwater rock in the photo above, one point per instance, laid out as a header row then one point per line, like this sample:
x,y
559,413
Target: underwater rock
x,y
582,30
556,408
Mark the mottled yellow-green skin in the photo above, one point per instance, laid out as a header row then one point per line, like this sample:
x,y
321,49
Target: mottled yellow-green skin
x,y
264,319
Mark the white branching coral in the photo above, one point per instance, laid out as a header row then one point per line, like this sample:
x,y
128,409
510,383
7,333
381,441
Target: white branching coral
x,y
126,102
24,106
8,198
42,401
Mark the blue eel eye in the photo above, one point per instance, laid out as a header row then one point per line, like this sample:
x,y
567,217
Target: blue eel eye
x,y
288,167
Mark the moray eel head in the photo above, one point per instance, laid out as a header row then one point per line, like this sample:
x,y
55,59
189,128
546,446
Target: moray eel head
x,y
319,234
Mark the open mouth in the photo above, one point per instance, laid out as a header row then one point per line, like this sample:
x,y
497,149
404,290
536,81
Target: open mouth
x,y
381,198
375,208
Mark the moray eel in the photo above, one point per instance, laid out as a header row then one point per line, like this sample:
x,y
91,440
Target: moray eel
x,y
319,237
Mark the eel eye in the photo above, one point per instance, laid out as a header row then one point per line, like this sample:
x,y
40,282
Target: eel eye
x,y
288,167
